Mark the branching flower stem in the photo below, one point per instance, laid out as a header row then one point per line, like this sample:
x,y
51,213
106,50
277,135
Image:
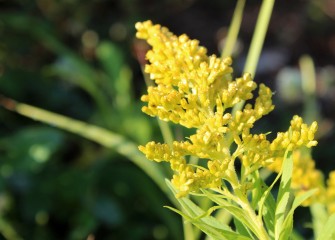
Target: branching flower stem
x,y
240,198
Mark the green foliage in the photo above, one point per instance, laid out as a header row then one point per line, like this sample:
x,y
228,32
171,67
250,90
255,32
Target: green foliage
x,y
55,184
277,215
201,219
328,231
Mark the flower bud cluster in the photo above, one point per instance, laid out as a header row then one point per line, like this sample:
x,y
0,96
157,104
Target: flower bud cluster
x,y
198,91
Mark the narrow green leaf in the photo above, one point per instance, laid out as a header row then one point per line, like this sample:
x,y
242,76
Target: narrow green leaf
x,y
284,222
280,214
301,198
188,206
208,224
287,225
185,216
239,213
194,211
258,189
209,211
287,168
268,201
283,197
287,228
282,205
319,217
214,233
328,231
268,208
224,216
236,211
243,230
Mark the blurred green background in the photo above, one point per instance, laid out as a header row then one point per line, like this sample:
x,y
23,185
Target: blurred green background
x,y
81,59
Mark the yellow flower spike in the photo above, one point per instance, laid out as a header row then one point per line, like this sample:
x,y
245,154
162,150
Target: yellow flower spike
x,y
195,91
299,134
255,150
312,130
238,90
263,103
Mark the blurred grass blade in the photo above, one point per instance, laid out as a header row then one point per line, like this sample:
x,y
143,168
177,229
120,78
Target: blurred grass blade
x,y
328,231
94,133
308,83
234,28
7,230
259,36
119,83
308,74
319,218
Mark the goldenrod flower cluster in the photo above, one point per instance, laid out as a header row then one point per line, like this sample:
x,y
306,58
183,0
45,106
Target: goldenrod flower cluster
x,y
198,91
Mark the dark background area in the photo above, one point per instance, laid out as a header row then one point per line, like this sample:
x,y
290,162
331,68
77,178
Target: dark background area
x,y
81,59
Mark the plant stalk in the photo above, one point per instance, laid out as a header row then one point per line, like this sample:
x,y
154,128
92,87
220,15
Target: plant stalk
x,y
234,29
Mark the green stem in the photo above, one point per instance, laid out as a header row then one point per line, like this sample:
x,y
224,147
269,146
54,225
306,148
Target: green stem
x,y
188,231
255,223
241,199
259,36
166,132
245,205
233,29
